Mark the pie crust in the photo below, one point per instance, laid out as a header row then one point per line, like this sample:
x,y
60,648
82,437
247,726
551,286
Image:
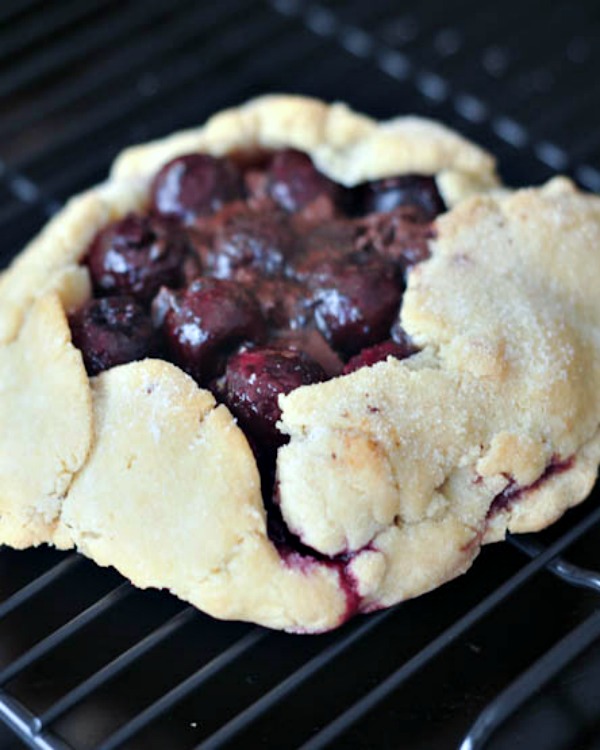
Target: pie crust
x,y
395,474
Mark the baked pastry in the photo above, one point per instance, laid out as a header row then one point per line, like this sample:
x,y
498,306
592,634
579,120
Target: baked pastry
x,y
351,315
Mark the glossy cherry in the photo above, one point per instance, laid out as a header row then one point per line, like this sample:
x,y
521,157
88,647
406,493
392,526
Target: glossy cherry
x,y
195,185
356,300
294,181
254,379
260,241
379,353
137,255
407,190
203,323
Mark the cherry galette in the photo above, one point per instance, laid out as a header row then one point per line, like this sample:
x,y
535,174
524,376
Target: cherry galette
x,y
297,365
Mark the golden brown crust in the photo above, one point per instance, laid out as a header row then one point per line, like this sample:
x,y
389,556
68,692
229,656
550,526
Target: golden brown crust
x,y
398,463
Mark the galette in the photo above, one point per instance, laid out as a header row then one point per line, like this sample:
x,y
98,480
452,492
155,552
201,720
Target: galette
x,y
296,364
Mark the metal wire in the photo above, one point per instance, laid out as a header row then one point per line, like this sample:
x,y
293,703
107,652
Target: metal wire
x,y
114,668
176,73
179,692
63,633
531,682
38,584
359,709
228,731
21,721
15,38
140,48
573,574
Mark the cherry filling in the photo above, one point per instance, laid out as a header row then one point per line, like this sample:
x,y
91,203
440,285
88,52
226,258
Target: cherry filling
x,y
418,191
293,182
514,492
298,555
195,185
257,276
205,322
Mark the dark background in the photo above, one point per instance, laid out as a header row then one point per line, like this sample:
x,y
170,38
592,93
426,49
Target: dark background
x,y
81,79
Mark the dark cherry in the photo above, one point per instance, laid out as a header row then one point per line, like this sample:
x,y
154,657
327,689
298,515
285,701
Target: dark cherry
x,y
256,240
203,323
137,255
253,381
112,331
408,190
294,181
379,353
356,300
195,185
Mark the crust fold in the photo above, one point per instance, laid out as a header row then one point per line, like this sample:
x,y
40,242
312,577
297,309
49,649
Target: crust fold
x,y
170,496
46,418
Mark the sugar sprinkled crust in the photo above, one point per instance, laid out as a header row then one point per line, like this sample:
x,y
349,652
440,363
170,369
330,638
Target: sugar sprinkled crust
x,y
396,465
508,314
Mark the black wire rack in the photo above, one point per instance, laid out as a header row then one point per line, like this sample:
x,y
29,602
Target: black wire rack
x,y
507,656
